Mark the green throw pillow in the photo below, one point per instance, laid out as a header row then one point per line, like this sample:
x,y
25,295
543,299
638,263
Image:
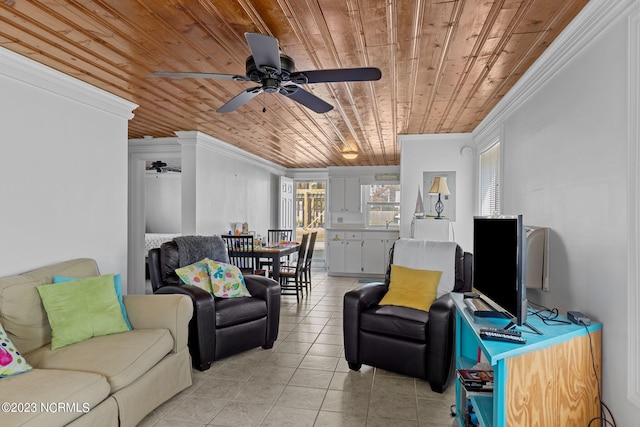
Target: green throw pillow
x,y
117,285
81,309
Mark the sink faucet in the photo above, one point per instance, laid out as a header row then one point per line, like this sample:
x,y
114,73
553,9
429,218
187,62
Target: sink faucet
x,y
387,224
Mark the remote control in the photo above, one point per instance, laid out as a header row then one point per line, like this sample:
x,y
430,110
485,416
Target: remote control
x,y
502,331
499,336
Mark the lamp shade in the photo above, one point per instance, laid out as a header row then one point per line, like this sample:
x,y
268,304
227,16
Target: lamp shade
x,y
440,186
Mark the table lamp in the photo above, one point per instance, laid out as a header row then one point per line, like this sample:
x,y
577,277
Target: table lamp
x,y
440,188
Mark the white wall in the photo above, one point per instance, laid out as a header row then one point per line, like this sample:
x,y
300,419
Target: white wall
x,y
423,153
63,180
567,166
230,190
163,207
223,184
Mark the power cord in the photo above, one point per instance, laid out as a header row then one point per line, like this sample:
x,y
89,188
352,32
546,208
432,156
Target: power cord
x,y
603,417
550,317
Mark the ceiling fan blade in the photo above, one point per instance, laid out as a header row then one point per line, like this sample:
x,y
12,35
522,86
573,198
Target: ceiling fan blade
x,y
239,100
305,98
338,75
265,51
199,75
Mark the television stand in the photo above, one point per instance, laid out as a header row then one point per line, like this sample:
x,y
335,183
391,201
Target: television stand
x,y
512,325
553,379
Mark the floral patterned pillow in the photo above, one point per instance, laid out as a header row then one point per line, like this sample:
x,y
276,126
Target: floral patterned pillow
x,y
196,274
227,280
11,361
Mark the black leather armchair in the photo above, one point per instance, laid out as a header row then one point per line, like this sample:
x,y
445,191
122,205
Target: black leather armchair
x,y
220,327
404,340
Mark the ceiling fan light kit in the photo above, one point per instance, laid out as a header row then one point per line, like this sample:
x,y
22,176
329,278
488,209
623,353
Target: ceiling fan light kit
x,y
275,72
159,166
350,154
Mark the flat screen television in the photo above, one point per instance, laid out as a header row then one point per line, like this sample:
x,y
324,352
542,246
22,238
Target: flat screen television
x,y
499,265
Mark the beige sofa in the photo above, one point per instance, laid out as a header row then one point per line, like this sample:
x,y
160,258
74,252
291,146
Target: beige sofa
x,y
109,380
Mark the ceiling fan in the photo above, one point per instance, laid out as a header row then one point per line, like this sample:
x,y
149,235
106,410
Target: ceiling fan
x,y
161,167
275,72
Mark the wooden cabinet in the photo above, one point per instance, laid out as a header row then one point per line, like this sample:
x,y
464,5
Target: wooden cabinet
x,y
344,194
549,381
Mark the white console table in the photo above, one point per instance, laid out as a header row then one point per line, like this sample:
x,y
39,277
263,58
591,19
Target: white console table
x,y
440,230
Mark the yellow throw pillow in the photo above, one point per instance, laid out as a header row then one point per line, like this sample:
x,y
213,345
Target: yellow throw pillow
x,y
412,288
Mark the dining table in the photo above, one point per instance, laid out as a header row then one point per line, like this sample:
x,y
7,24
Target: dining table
x,y
273,252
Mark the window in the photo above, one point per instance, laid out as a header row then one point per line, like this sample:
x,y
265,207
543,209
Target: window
x,y
490,194
382,204
310,213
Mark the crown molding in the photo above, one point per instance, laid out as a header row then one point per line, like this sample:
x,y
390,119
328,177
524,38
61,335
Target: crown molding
x,y
28,71
155,147
433,137
219,146
596,17
308,174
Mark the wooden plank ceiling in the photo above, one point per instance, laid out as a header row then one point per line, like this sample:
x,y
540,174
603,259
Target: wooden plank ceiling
x,y
445,64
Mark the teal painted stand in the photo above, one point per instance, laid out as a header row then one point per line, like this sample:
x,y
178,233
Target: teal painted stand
x,y
549,381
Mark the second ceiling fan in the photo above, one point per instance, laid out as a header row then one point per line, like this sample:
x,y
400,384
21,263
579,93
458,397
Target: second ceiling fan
x,y
275,72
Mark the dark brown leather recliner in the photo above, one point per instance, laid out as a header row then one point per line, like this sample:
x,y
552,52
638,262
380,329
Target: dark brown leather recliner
x,y
404,340
220,327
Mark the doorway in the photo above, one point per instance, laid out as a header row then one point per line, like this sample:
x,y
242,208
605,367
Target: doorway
x,y
310,211
141,154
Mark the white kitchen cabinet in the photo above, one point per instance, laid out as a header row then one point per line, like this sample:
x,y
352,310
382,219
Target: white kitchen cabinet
x,y
344,254
359,252
375,253
373,256
353,256
388,244
335,256
345,194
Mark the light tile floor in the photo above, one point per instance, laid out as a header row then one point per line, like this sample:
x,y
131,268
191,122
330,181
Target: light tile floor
x,y
304,379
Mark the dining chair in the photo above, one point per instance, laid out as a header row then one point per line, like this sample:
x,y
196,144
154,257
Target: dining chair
x,y
291,277
240,249
306,269
275,236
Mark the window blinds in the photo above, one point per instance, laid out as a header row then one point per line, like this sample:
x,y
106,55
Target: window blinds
x,y
490,181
